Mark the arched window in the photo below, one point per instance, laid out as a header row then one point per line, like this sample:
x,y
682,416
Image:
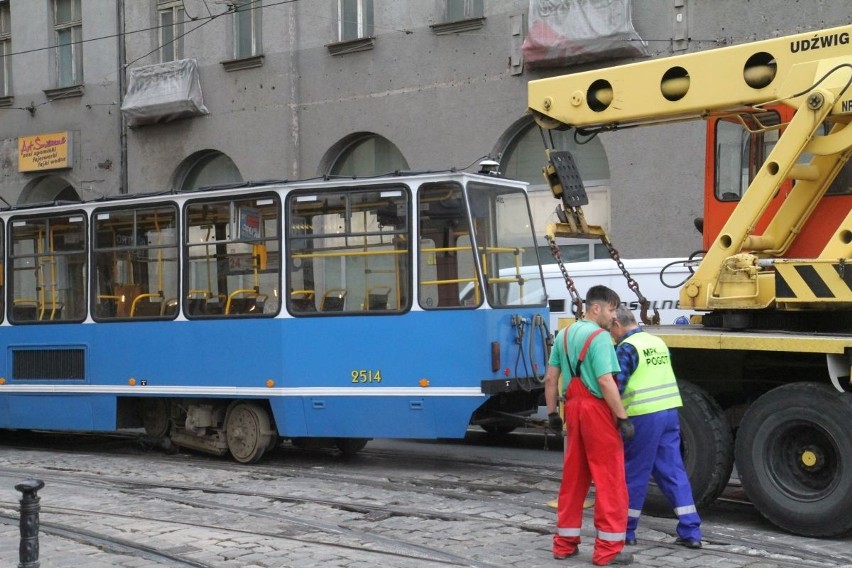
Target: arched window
x,y
206,168
366,155
46,189
524,157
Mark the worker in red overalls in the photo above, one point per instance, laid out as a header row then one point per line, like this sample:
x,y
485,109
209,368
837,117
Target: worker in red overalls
x,y
595,420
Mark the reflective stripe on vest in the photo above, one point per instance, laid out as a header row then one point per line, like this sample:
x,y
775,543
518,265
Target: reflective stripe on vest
x,y
652,386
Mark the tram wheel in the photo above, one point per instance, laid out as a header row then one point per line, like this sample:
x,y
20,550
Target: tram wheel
x,y
351,446
707,446
247,430
155,417
794,457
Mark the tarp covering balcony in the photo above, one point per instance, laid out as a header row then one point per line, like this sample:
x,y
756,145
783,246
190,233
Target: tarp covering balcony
x,y
569,32
163,92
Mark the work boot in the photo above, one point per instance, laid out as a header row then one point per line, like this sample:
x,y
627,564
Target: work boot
x,y
694,544
620,559
564,555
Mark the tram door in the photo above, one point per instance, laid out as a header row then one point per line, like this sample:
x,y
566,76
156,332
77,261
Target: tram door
x,y
446,262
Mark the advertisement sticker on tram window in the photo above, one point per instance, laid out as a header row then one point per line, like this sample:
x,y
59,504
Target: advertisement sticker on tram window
x,y
249,223
366,376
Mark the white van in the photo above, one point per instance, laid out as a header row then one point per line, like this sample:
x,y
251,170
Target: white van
x,y
646,273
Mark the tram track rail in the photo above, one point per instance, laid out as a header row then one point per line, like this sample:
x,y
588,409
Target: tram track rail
x,y
382,548
404,476
111,544
726,543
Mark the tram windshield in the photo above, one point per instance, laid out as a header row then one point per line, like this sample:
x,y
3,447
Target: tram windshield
x,y
494,221
505,242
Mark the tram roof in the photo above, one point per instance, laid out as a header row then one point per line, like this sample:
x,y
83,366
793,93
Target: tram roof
x,y
323,182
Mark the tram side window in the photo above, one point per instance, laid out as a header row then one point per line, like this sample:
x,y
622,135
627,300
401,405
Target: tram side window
x,y
348,251
448,277
232,261
136,263
48,276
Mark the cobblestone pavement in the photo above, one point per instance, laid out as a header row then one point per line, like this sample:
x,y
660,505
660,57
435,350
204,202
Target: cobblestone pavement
x,y
496,528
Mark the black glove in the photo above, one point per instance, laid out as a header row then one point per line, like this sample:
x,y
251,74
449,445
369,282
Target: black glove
x,y
554,421
625,426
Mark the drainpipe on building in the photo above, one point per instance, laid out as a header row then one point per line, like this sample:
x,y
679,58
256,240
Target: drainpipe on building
x,y
295,142
122,81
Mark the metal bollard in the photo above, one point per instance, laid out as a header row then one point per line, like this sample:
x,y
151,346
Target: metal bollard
x,y
28,550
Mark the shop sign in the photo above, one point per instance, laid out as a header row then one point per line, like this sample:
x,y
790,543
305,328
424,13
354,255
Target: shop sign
x,y
44,152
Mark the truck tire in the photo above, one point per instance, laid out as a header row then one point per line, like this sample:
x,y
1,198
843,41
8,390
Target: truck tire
x,y
707,445
794,457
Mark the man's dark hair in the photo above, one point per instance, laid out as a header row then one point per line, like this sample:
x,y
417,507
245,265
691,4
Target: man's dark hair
x,y
602,295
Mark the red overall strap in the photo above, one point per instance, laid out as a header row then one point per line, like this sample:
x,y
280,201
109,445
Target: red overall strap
x,y
582,353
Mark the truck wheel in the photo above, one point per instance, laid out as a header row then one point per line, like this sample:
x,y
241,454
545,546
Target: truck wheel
x,y
794,457
707,446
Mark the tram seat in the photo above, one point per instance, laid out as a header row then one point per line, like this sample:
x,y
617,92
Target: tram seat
x,y
377,298
169,307
333,300
196,302
303,301
147,309
52,312
24,310
196,305
248,305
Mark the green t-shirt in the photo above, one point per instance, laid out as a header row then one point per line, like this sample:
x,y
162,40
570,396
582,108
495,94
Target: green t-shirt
x,y
600,358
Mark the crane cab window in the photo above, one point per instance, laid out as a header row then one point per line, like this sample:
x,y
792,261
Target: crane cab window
x,y
232,265
742,145
348,252
135,256
48,268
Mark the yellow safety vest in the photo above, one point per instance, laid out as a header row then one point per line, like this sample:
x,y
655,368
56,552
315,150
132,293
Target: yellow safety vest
x,y
652,386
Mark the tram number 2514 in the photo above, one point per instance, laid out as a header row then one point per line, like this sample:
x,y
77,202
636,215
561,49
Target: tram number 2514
x,y
366,376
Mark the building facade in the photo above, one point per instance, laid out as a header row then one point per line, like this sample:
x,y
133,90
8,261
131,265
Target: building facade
x,y
278,89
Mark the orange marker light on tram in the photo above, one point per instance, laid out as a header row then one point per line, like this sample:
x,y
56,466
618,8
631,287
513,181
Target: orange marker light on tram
x,y
424,383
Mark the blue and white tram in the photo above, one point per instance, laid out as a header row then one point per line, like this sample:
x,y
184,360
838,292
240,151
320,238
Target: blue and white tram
x,y
226,318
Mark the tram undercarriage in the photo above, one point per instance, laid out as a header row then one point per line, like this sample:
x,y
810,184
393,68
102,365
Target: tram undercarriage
x,y
243,428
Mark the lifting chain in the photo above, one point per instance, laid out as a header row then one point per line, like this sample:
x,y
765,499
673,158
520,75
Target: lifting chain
x,y
633,285
576,300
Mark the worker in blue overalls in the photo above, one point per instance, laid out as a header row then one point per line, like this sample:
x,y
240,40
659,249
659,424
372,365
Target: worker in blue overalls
x,y
651,398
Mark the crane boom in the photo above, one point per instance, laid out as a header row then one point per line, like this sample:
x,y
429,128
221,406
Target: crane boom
x,y
696,85
811,73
